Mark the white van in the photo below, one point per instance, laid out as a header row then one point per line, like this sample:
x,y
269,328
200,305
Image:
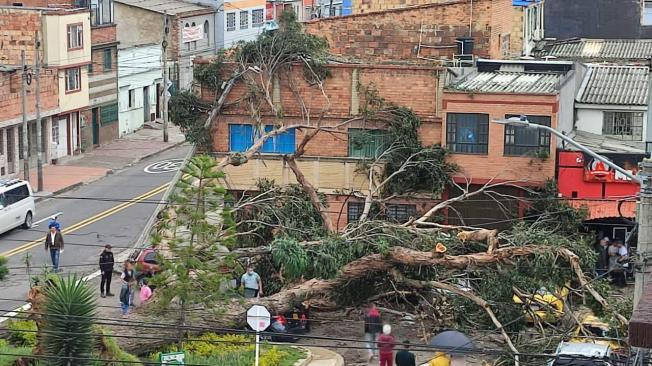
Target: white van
x,y
16,204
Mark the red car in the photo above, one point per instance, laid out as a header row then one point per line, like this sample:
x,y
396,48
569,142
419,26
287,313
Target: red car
x,y
146,263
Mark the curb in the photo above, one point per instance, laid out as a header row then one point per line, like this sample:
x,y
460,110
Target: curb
x,y
306,361
108,172
146,156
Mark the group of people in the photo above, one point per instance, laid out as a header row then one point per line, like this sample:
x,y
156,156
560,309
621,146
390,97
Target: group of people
x,y
613,259
381,342
127,278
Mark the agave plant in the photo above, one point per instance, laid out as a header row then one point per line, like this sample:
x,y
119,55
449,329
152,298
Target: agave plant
x,y
67,331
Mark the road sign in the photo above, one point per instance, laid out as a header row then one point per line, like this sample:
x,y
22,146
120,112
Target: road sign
x,y
258,318
175,358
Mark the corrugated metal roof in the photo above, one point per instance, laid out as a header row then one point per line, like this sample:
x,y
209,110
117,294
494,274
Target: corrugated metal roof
x,y
620,85
8,68
606,144
601,209
510,82
173,7
597,49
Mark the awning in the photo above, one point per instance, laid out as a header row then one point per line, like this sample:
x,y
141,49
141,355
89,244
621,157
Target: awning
x,y
602,208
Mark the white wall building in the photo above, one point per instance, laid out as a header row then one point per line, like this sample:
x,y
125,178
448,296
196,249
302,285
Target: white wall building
x,y
243,21
139,82
611,108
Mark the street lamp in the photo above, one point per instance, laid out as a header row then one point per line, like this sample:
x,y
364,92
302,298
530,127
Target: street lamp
x,y
644,212
523,122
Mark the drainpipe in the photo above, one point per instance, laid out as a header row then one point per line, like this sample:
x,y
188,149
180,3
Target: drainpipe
x,y
471,20
648,124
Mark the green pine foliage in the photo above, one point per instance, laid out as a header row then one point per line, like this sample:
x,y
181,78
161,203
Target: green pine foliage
x,y
203,223
69,312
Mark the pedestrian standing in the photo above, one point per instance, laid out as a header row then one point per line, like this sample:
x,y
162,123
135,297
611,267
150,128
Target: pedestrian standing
x,y
372,326
404,357
54,244
128,280
612,254
620,265
106,269
251,283
386,345
145,292
602,263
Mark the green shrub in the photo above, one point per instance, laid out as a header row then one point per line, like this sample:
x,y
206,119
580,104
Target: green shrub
x,y
22,333
6,349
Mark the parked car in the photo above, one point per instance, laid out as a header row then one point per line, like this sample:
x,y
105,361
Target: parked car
x,y
595,331
16,204
147,264
581,354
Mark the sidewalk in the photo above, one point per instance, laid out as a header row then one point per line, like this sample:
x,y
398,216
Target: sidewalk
x,y
85,168
323,357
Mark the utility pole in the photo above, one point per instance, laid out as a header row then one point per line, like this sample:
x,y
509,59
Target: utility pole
x,y
644,222
39,132
23,94
164,112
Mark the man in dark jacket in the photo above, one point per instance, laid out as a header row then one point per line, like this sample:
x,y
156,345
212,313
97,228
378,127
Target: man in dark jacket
x,y
54,244
373,325
405,357
106,267
602,262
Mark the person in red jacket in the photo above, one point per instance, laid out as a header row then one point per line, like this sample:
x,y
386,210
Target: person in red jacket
x,y
386,345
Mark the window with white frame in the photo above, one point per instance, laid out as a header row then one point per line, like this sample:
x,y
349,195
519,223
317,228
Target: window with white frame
x,y
646,16
244,19
230,21
55,132
75,36
624,125
73,79
257,16
131,103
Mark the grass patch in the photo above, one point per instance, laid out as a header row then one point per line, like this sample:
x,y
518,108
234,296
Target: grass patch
x,y
7,348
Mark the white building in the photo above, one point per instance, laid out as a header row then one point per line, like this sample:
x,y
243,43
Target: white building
x,y
243,20
139,82
611,108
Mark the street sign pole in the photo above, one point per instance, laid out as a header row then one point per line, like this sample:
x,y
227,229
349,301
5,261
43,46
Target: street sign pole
x,y
257,348
258,318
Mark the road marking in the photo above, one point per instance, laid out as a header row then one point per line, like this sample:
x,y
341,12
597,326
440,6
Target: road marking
x,y
164,166
90,220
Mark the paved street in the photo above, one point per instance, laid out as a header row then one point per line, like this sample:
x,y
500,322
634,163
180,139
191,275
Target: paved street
x,y
112,211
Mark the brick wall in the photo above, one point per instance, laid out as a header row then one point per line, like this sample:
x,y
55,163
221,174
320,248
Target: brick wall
x,y
17,30
367,6
392,35
409,86
495,164
103,34
10,97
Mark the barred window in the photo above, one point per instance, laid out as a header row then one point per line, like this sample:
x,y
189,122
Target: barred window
x,y
257,18
244,19
354,211
401,213
520,140
467,133
230,22
624,125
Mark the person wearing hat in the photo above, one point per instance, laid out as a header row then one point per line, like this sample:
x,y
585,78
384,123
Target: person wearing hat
x,y
54,244
106,267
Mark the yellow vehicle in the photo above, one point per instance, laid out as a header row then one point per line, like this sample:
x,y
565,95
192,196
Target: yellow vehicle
x,y
595,331
544,305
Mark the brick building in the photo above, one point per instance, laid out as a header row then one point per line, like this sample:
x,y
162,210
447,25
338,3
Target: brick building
x,y
487,151
65,55
433,32
331,160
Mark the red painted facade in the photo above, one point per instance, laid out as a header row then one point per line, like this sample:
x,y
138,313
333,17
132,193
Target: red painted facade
x,y
579,176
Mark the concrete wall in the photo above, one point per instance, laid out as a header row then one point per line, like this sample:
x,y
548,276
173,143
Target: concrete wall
x,y
590,118
188,51
138,67
595,19
55,30
136,26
